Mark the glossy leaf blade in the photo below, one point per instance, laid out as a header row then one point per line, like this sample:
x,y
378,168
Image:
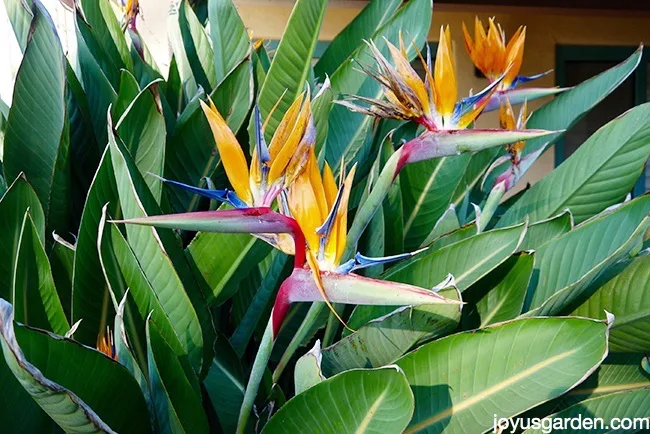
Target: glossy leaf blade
x,y
177,406
374,401
66,395
467,260
500,295
600,173
229,37
628,408
383,340
90,296
35,298
565,266
371,18
627,296
292,61
154,259
34,139
15,202
535,359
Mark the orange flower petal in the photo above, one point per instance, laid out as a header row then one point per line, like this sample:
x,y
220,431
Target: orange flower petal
x,y
234,161
341,223
287,150
329,185
445,76
285,127
515,56
410,77
317,184
303,205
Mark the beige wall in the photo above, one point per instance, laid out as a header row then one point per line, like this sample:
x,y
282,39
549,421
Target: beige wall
x,y
545,29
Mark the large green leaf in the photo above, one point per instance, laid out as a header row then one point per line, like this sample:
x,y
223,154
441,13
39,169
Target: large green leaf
x,y
347,130
462,381
363,26
292,61
321,107
196,45
260,303
124,353
90,296
446,224
62,263
385,339
499,296
427,190
372,401
35,298
16,201
223,269
142,129
600,173
229,37
20,15
127,92
191,153
622,412
467,260
225,384
544,231
96,394
36,140
18,411
176,403
566,266
182,63
111,241
566,109
627,296
307,372
102,19
85,152
150,250
620,372
99,84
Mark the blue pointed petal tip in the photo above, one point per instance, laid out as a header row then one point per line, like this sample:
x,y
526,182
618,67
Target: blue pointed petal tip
x,y
325,229
260,143
226,196
361,261
521,79
467,104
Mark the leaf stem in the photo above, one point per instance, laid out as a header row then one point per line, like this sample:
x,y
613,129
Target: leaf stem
x,y
259,366
303,331
374,200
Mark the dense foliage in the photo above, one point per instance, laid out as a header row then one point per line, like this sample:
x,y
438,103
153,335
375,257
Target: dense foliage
x,y
410,294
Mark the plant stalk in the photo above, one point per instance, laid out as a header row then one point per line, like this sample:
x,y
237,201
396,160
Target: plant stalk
x,y
259,366
302,332
372,203
332,325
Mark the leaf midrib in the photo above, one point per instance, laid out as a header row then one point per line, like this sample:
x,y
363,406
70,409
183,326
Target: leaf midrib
x,y
485,394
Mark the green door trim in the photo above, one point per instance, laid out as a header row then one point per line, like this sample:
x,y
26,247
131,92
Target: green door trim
x,y
590,53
